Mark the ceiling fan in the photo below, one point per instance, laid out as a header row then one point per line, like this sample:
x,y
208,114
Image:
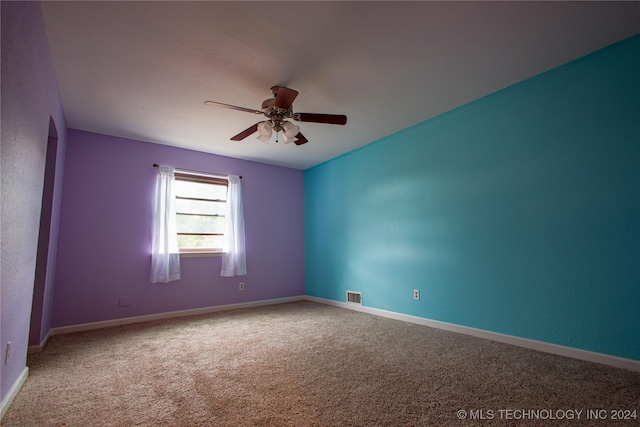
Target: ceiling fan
x,y
277,110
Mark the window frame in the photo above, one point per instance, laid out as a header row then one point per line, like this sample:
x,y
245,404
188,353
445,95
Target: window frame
x,y
200,177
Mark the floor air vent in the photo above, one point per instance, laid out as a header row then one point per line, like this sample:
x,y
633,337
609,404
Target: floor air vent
x,y
354,297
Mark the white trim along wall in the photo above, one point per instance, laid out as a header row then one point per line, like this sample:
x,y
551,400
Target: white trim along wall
x,y
590,356
138,319
15,388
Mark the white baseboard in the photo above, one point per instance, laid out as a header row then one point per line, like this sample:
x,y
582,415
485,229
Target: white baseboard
x,y
161,316
13,391
589,356
34,349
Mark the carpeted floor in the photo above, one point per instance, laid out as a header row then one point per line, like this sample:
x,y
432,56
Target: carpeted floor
x,y
307,364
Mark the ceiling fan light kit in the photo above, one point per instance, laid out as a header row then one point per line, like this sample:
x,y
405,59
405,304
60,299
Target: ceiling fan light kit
x,y
277,110
265,130
290,132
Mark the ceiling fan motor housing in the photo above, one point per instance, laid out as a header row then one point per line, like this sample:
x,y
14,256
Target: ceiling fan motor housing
x,y
269,108
275,114
268,103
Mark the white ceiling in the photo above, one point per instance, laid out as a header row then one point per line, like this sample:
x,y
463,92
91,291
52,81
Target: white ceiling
x,y
142,70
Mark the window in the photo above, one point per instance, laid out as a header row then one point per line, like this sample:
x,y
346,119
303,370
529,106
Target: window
x,y
200,207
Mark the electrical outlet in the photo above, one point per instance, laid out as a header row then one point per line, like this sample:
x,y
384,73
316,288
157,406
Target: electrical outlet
x,y
416,294
241,287
7,353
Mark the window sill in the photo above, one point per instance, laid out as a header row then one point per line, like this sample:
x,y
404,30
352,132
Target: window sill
x,y
200,254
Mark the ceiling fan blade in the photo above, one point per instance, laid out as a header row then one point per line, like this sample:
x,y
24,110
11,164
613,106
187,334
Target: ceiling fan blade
x,y
332,119
232,107
245,133
301,139
284,96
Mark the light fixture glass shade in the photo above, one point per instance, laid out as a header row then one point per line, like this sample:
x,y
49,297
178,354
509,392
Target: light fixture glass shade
x,y
265,130
290,132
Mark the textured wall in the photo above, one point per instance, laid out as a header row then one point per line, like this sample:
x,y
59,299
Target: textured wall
x,y
105,233
518,213
29,99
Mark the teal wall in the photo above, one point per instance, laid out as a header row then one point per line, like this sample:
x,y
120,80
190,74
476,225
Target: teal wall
x,y
518,213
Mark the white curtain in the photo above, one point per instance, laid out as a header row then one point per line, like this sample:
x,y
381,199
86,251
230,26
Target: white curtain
x,y
234,260
165,257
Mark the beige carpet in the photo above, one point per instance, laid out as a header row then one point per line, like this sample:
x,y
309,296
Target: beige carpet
x,y
307,364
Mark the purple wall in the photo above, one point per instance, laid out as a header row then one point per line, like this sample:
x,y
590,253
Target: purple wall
x,y
30,100
105,233
43,285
